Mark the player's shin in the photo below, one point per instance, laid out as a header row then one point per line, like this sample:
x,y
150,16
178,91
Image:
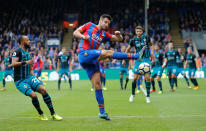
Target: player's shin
x,y
147,84
121,83
187,81
100,100
133,87
104,81
59,83
35,102
70,83
172,83
121,56
138,84
125,86
48,101
4,83
194,81
175,81
153,84
160,84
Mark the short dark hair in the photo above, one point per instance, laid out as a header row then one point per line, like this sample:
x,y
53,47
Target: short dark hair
x,y
21,38
106,16
140,27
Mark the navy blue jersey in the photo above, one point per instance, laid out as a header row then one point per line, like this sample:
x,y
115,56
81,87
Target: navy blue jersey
x,y
171,57
7,61
126,64
23,71
158,59
179,61
191,60
139,43
64,61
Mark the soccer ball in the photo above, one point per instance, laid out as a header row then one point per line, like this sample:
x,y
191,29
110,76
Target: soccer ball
x,y
144,68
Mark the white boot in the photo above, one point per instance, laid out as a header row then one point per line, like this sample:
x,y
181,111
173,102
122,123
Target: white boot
x,y
148,100
131,98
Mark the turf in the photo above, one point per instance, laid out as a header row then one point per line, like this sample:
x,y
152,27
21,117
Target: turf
x,y
184,109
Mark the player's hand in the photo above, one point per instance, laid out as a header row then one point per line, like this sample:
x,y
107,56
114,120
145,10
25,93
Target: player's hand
x,y
31,62
163,66
117,33
113,61
10,65
86,37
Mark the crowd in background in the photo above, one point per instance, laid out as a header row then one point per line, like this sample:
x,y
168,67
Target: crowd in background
x,y
192,17
40,21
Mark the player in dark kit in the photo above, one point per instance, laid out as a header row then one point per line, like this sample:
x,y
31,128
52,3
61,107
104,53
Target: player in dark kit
x,y
157,69
124,69
8,70
140,41
64,67
180,59
191,61
91,36
25,80
170,62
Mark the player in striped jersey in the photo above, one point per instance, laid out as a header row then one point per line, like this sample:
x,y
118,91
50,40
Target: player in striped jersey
x,y
91,36
25,80
180,59
157,69
64,67
138,42
8,70
170,62
191,61
38,64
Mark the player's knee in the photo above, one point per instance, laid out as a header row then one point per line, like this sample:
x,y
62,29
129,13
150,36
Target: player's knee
x,y
158,78
60,78
42,90
33,95
97,85
173,75
152,78
147,78
4,78
107,53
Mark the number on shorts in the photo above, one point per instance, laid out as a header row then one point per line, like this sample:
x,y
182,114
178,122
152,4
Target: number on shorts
x,y
35,80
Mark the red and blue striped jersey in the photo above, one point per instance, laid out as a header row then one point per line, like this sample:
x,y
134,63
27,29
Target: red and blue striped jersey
x,y
96,37
38,63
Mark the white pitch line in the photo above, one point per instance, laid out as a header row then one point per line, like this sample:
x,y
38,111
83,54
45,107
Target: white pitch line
x,y
117,117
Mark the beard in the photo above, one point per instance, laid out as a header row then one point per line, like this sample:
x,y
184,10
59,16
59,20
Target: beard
x,y
26,46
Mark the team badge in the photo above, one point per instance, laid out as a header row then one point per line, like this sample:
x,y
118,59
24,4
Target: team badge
x,y
25,86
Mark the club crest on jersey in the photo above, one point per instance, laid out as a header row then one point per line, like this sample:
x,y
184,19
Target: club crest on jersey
x,y
96,38
25,86
85,53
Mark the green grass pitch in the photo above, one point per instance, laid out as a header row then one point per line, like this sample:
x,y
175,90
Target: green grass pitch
x,y
185,109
